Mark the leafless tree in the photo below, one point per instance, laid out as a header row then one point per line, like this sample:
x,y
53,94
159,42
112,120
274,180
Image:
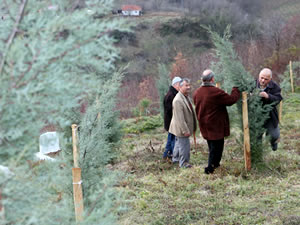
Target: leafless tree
x,y
273,33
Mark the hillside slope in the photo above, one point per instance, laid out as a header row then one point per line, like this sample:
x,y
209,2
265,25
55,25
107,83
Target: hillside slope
x,y
161,193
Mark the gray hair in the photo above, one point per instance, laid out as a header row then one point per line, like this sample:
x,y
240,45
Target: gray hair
x,y
208,77
266,71
184,80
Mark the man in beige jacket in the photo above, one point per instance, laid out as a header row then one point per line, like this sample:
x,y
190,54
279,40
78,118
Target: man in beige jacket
x,y
183,124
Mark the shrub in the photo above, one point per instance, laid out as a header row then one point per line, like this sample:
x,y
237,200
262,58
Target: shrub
x,y
144,123
142,108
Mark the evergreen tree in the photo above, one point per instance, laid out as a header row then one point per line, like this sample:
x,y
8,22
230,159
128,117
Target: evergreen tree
x,y
53,58
285,79
231,71
162,85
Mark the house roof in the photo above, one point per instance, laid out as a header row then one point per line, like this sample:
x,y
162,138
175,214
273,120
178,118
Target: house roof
x,y
131,8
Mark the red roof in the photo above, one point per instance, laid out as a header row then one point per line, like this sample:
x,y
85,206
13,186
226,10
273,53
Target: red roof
x,y
131,8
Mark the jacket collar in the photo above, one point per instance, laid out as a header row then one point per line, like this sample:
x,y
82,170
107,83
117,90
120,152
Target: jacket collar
x,y
208,84
269,86
173,90
185,100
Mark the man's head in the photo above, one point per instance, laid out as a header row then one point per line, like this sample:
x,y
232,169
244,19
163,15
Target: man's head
x,y
184,86
175,82
208,76
265,76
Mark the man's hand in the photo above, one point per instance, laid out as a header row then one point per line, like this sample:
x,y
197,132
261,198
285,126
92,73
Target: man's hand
x,y
263,94
187,134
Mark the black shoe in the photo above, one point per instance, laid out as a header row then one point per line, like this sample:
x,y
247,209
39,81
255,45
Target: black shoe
x,y
274,146
216,166
208,170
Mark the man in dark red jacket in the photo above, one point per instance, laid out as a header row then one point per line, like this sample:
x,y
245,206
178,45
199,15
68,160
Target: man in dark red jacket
x,y
168,112
212,115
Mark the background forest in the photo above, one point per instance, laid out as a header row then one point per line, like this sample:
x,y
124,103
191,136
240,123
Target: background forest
x,y
264,33
65,62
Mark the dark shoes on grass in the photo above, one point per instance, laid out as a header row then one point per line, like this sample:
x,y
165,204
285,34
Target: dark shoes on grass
x,y
211,169
274,146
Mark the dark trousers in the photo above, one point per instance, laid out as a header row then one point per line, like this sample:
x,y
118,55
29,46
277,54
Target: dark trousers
x,y
272,132
215,148
169,146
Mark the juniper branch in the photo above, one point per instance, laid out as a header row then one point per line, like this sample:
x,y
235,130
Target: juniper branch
x,y
13,34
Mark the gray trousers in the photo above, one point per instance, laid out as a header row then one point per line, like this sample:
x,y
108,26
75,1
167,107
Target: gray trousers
x,y
273,132
181,152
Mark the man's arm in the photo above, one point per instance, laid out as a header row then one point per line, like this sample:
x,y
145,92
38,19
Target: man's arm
x,y
228,100
273,96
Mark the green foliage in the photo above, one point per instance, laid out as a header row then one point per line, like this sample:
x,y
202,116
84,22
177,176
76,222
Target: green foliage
x,y
41,194
142,124
124,37
142,108
285,81
58,52
233,74
190,26
285,78
99,135
60,57
162,85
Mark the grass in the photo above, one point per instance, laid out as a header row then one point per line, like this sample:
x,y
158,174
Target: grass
x,y
160,193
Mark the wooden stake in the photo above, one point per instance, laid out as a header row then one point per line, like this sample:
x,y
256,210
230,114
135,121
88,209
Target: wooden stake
x,y
77,194
75,151
280,112
247,151
291,76
218,84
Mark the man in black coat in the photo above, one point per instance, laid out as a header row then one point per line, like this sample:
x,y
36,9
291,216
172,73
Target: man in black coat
x,y
168,112
270,93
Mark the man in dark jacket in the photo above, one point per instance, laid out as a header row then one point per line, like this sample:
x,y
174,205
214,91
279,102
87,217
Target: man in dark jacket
x,y
271,94
212,115
168,112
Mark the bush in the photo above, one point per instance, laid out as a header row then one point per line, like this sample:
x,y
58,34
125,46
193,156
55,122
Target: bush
x,y
142,108
186,25
124,37
142,124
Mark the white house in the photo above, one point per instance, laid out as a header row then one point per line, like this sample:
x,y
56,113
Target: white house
x,y
131,10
